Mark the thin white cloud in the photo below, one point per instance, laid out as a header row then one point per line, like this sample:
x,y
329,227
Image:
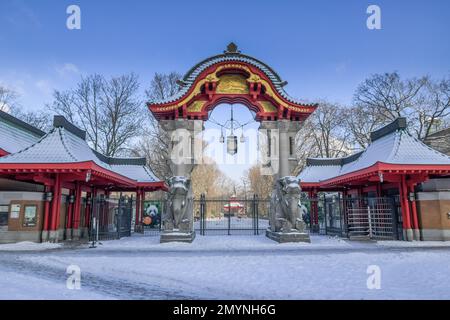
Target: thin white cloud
x,y
45,87
67,69
341,67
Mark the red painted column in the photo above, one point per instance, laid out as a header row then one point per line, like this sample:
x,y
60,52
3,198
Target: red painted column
x,y
415,219
77,212
77,206
45,223
407,231
56,202
69,212
141,213
137,221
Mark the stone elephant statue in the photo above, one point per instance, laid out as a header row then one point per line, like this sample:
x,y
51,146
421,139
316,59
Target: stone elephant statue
x,y
177,215
285,213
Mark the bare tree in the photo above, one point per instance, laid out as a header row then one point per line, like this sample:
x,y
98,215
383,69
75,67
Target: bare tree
x,y
388,95
121,113
207,179
154,144
323,134
384,97
108,110
261,185
432,111
38,119
8,99
360,121
9,103
163,86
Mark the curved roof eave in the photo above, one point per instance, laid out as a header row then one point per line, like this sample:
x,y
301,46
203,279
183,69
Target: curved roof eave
x,y
191,76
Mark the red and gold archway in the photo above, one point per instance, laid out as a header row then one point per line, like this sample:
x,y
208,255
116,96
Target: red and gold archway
x,y
231,78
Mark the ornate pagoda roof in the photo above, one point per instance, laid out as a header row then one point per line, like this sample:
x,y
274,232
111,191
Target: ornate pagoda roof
x,y
66,144
390,145
209,71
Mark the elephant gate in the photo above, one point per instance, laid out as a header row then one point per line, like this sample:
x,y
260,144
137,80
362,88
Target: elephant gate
x,y
232,78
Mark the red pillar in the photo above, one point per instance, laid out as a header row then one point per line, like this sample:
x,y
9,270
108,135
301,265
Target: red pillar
x,y
77,206
45,225
137,221
77,211
69,212
56,203
415,219
407,231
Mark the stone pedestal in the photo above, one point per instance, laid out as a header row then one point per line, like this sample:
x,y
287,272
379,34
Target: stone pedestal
x,y
167,236
293,236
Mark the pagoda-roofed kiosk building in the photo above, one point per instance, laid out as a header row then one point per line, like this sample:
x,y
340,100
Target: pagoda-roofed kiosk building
x,y
48,188
396,188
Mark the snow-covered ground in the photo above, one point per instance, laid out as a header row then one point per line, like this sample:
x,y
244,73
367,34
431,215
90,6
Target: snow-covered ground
x,y
230,267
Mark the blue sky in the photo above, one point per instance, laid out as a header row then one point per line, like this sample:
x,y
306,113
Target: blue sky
x,y
322,48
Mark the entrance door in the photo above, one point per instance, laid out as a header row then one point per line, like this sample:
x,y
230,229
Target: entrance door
x,y
371,218
233,216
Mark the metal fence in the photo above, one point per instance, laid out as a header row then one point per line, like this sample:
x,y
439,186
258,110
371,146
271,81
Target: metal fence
x,y
110,218
356,218
232,216
372,218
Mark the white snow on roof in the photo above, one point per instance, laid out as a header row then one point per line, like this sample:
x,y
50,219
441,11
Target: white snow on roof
x,y
318,173
395,148
139,173
62,146
13,139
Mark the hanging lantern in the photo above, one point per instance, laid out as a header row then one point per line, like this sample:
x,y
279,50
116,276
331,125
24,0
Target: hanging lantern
x,y
242,138
222,138
232,145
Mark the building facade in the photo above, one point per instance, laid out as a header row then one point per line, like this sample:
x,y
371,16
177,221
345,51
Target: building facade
x,y
394,166
49,180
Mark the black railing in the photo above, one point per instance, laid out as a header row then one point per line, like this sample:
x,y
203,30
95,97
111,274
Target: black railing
x,y
110,218
233,216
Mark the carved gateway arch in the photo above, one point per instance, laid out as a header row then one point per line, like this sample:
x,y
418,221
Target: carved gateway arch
x,y
232,78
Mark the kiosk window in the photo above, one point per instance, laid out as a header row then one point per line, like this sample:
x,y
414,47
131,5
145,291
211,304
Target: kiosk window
x,y
4,213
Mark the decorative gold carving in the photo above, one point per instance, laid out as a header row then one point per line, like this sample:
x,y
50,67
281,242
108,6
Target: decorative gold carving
x,y
268,106
196,106
232,84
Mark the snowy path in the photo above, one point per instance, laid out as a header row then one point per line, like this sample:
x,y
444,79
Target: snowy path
x,y
221,267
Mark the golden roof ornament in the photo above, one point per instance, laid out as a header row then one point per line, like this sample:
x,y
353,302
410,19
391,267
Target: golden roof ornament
x,y
232,48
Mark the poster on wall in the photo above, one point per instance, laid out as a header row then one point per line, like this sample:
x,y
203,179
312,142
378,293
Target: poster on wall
x,y
30,216
152,213
15,211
